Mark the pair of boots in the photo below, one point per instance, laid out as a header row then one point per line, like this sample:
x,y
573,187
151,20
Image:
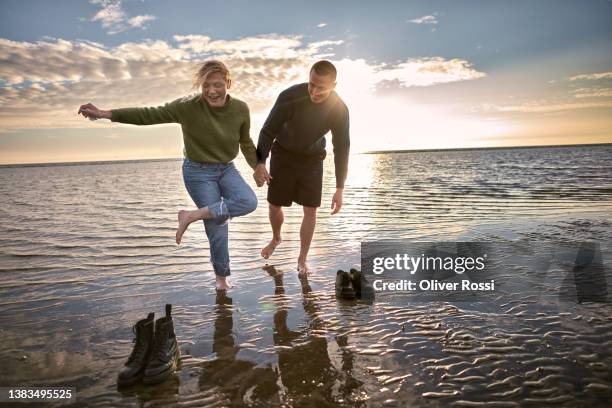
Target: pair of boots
x,y
155,355
348,284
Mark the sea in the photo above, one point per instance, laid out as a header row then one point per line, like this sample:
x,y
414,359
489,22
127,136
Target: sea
x,y
87,250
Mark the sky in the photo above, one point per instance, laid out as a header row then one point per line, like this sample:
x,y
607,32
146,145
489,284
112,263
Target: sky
x,y
414,74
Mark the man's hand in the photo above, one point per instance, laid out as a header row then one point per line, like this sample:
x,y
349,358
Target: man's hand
x,y
261,175
336,203
92,112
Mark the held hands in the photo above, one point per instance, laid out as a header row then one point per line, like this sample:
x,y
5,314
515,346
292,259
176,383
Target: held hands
x,y
261,175
92,112
336,203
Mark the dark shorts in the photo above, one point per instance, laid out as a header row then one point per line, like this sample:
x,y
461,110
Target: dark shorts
x,y
295,179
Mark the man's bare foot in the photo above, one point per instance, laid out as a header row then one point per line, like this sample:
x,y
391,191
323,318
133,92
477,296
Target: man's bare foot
x,y
303,268
221,283
268,250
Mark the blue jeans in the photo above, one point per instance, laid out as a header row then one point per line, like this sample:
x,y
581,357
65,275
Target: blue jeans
x,y
221,188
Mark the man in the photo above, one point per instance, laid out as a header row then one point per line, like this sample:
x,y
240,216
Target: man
x,y
294,133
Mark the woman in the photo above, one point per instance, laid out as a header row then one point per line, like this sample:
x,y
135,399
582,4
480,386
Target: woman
x,y
214,125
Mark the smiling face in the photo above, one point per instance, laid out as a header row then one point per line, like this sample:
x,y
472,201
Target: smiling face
x,y
214,89
320,87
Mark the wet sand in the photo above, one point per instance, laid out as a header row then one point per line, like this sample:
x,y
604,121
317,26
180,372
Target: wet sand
x,y
76,277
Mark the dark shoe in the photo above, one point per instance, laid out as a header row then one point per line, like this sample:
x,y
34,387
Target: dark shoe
x,y
355,276
137,361
363,288
344,286
165,354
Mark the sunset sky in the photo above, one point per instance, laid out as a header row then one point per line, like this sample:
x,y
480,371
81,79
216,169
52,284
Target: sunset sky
x,y
414,74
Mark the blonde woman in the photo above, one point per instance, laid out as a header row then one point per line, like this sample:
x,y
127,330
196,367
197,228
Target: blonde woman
x,y
214,126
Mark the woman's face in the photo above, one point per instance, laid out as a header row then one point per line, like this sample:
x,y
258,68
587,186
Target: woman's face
x,y
214,89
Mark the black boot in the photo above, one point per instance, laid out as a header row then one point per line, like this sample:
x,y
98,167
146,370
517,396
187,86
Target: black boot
x,y
363,288
165,355
135,366
355,276
344,286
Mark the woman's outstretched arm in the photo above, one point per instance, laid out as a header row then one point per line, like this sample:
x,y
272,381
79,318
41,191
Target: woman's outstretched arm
x,y
168,113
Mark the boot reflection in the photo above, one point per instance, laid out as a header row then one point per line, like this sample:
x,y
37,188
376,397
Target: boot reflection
x,y
168,391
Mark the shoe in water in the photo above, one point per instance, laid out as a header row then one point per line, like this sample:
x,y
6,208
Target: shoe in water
x,y
165,356
137,361
344,286
363,288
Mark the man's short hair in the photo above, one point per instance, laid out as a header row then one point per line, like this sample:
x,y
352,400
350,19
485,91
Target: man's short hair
x,y
324,68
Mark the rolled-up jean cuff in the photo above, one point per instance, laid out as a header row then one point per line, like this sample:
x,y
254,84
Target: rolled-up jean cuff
x,y
221,269
219,210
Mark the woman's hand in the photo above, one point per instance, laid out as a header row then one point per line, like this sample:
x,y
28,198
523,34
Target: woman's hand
x,y
92,112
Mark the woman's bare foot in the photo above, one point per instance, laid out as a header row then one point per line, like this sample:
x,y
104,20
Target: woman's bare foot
x,y
221,283
268,250
187,217
303,268
183,222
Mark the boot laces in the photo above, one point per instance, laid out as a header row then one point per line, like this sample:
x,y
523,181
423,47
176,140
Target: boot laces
x,y
159,345
139,350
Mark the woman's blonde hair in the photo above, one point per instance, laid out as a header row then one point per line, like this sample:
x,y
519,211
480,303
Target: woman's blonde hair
x,y
207,68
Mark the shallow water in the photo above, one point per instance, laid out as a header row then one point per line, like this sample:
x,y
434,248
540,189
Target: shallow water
x,y
87,250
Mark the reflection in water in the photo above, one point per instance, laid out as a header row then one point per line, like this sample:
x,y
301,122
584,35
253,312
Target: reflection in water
x,y
166,392
305,367
230,377
587,281
304,374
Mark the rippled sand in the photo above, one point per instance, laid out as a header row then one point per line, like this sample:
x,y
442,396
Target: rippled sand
x,y
88,250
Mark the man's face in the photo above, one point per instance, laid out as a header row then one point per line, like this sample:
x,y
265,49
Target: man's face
x,y
214,89
320,87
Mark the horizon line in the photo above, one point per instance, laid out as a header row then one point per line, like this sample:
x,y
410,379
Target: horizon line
x,y
94,162
445,149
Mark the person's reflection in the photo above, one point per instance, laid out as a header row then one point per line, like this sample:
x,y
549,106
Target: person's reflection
x,y
587,281
305,368
223,341
232,378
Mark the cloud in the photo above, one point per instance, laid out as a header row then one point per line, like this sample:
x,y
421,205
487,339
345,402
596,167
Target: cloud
x,y
541,107
430,71
573,98
115,20
69,73
431,19
592,77
262,46
592,92
599,85
111,15
66,74
139,21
